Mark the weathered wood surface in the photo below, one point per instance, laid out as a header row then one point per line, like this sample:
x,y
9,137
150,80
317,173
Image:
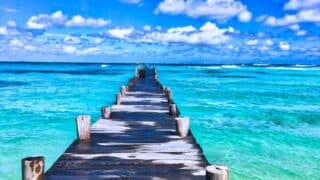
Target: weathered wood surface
x,y
139,141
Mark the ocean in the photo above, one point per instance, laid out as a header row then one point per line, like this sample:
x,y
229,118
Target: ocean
x,y
262,121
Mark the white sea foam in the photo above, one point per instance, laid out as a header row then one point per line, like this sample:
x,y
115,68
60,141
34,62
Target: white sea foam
x,y
261,64
207,67
104,65
288,68
303,65
229,66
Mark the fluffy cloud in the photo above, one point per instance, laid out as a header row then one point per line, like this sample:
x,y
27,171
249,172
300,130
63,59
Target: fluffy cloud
x,y
11,24
16,43
268,42
3,31
245,16
45,21
208,34
82,52
252,42
89,51
120,33
79,21
309,15
147,28
30,48
307,12
301,4
284,46
69,49
294,27
214,9
301,33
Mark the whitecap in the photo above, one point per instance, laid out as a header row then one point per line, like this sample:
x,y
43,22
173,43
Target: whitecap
x,y
287,68
229,66
303,65
261,64
104,65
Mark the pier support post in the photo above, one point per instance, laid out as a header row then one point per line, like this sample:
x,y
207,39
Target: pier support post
x,y
173,110
182,126
33,168
154,71
118,97
169,95
123,90
136,71
105,112
83,127
217,172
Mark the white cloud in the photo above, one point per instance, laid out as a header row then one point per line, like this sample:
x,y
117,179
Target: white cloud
x,y
3,31
45,21
69,49
307,11
301,33
121,33
214,9
261,18
301,4
294,27
29,48
310,15
79,21
16,43
8,10
11,24
252,42
147,28
95,40
89,51
268,42
285,46
264,48
208,34
245,16
158,28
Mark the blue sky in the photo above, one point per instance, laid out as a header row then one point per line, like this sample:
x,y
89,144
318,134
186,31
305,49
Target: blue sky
x,y
163,31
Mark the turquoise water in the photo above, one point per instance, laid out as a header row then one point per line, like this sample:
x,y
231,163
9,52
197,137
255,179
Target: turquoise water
x,y
262,122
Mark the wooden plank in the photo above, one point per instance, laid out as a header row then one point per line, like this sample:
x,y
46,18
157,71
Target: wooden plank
x,y
138,141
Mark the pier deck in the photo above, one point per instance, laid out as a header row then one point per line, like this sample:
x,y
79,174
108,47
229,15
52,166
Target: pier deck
x,y
138,141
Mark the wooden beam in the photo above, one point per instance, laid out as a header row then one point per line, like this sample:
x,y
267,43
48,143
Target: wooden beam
x,y
105,112
33,168
83,127
182,126
118,98
217,172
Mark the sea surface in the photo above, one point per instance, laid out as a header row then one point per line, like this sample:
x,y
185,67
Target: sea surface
x,y
262,121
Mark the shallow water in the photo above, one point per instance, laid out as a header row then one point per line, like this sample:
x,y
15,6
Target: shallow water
x,y
263,122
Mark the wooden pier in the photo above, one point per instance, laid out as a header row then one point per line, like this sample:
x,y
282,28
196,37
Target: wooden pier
x,y
141,136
